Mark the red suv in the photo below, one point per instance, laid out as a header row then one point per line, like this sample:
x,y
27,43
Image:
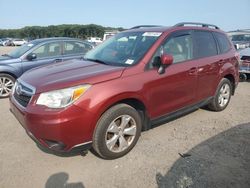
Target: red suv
x,y
137,78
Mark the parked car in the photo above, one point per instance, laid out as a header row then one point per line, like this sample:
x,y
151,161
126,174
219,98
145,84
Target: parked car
x,y
109,34
5,42
94,40
138,78
245,64
18,42
240,39
37,53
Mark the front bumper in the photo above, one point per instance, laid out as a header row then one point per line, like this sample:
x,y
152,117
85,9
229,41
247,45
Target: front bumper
x,y
60,130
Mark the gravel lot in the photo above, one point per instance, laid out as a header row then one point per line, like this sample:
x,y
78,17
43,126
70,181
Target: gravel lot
x,y
217,144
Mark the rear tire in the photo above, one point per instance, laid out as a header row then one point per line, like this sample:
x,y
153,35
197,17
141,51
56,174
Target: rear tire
x,y
222,96
243,77
6,84
117,131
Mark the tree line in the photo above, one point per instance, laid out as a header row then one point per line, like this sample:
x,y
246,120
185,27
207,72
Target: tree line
x,y
66,30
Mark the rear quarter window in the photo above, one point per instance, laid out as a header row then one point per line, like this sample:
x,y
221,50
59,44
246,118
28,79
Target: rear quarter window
x,y
205,44
223,41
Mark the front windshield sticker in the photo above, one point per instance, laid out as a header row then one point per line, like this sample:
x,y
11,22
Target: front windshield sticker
x,y
129,61
152,34
30,45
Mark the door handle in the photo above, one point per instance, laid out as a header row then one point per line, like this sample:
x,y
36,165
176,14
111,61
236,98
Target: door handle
x,y
192,71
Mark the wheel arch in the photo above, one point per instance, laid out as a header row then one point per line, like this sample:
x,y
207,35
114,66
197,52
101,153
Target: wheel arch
x,y
136,103
9,73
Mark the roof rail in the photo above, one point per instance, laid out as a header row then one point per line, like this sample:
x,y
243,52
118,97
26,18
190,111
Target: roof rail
x,y
142,26
196,23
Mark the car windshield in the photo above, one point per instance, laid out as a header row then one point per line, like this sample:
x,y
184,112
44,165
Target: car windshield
x,y
241,37
18,52
123,49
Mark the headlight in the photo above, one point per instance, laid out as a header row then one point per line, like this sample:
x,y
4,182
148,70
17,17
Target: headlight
x,y
63,97
13,89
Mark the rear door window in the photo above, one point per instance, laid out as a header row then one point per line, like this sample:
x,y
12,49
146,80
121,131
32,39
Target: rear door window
x,y
224,44
205,44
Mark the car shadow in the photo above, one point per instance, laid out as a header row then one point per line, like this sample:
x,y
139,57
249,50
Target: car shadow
x,y
221,161
59,180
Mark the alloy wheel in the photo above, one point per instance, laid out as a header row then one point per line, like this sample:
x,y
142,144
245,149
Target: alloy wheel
x,y
120,133
6,85
224,95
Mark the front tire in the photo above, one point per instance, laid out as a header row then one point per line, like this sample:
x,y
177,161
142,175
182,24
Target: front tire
x,y
6,85
117,131
222,96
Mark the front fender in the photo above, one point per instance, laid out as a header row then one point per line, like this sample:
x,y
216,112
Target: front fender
x,y
15,69
101,97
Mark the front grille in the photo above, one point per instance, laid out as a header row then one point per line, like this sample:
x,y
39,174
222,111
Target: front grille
x,y
22,99
23,93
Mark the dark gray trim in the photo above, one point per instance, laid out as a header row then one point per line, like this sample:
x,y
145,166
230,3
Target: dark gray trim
x,y
183,111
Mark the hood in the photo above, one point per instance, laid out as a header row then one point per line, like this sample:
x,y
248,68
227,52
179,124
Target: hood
x,y
7,60
69,73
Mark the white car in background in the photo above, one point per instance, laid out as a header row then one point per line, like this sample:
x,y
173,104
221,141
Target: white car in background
x,y
95,40
18,42
244,69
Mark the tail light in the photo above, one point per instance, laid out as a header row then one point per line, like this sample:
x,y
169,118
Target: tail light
x,y
237,56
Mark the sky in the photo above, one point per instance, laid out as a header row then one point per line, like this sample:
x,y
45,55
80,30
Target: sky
x,y
227,14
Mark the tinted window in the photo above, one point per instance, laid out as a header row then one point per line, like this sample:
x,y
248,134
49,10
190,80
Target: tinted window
x,y
48,50
74,47
205,45
223,42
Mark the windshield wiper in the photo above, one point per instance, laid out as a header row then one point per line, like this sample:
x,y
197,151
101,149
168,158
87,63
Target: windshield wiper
x,y
6,55
97,60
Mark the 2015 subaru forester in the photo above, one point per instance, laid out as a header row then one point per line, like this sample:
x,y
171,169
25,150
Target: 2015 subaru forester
x,y
137,78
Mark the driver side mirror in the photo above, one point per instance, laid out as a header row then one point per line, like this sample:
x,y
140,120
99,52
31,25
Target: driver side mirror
x,y
31,56
166,59
162,62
